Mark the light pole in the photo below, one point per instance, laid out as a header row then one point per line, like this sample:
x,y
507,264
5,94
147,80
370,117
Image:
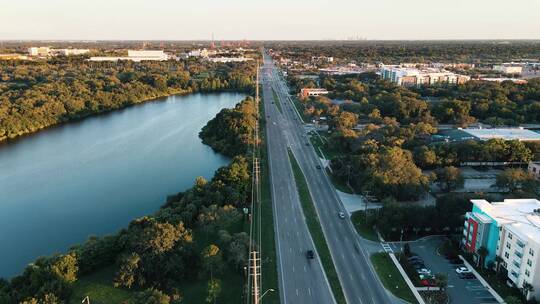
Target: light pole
x,y
264,293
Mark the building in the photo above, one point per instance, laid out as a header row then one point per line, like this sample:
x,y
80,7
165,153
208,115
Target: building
x,y
229,59
409,76
509,230
508,68
204,53
41,51
136,56
313,92
13,57
70,52
520,134
534,169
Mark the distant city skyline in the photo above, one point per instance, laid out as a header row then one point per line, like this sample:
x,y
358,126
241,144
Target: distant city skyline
x,y
276,20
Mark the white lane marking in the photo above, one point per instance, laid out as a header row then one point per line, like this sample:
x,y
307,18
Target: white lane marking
x,y
296,291
293,268
309,290
305,269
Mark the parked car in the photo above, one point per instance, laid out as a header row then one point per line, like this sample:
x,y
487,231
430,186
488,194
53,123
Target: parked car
x,y
462,269
415,258
310,254
419,265
341,215
424,271
467,276
427,283
456,261
318,166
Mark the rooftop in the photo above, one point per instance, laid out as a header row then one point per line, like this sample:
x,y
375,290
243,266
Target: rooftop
x,y
521,216
504,133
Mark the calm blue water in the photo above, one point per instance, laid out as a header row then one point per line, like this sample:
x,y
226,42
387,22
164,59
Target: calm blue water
x,y
93,177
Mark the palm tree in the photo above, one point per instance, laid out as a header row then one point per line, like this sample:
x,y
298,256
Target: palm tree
x,y
527,288
498,261
482,253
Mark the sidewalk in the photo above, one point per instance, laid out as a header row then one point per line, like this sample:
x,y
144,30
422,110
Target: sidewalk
x,y
407,280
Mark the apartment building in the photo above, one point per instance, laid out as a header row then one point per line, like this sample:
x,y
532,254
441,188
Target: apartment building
x,y
313,92
508,68
408,76
511,231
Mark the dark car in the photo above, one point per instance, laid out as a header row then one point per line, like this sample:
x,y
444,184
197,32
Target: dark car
x,y
414,258
455,261
467,276
318,167
307,144
310,254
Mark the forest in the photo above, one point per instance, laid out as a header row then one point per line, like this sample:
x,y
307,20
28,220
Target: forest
x,y
39,94
198,235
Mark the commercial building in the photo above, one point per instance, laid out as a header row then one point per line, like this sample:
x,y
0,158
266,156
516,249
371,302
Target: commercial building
x,y
508,68
13,57
70,52
313,92
229,59
136,56
41,51
534,169
204,53
520,134
509,230
408,76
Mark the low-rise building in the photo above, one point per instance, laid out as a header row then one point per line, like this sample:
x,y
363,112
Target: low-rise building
x,y
409,76
13,57
136,56
307,92
509,230
41,51
520,134
508,68
229,59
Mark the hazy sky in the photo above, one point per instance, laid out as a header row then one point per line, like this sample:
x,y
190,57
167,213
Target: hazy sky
x,y
275,19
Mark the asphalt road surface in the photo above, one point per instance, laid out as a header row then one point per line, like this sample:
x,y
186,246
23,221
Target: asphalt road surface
x,y
358,278
301,280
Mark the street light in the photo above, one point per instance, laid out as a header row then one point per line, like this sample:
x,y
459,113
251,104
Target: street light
x,y
264,293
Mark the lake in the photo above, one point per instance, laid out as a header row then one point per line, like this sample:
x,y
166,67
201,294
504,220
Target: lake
x,y
94,176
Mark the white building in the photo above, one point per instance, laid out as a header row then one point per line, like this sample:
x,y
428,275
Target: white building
x,y
307,92
70,52
508,68
136,56
229,59
42,51
510,230
204,53
520,134
409,76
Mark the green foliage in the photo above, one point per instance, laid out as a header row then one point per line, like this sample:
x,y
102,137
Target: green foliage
x,y
231,131
151,296
449,178
214,289
42,94
517,182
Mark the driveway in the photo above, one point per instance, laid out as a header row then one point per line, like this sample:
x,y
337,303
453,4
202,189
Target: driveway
x,y
459,290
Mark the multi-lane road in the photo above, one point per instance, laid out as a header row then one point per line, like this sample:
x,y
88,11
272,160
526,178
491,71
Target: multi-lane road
x,y
300,280
358,279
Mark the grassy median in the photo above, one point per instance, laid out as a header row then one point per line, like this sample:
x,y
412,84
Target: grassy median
x,y
390,277
269,267
276,100
316,230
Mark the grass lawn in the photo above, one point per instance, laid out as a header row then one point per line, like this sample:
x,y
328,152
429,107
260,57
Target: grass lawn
x,y
269,267
320,141
365,229
316,230
300,108
99,287
338,184
276,101
390,277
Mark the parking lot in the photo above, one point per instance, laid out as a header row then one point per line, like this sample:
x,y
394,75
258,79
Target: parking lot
x,y
459,290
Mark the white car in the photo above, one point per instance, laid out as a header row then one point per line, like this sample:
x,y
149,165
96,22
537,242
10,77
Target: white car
x,y
341,215
424,271
462,269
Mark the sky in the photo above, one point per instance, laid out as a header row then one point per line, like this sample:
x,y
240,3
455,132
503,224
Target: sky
x,y
269,20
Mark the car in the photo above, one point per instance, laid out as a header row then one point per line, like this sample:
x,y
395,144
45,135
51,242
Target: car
x,y
419,266
466,276
427,283
415,258
307,144
274,123
318,167
423,271
462,269
341,215
310,254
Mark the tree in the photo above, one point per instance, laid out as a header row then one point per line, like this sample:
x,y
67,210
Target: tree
x,y
212,259
441,280
482,254
449,178
151,296
512,300
517,180
214,289
65,267
527,288
130,272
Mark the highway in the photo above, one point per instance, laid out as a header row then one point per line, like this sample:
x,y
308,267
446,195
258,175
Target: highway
x,y
300,280
359,281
